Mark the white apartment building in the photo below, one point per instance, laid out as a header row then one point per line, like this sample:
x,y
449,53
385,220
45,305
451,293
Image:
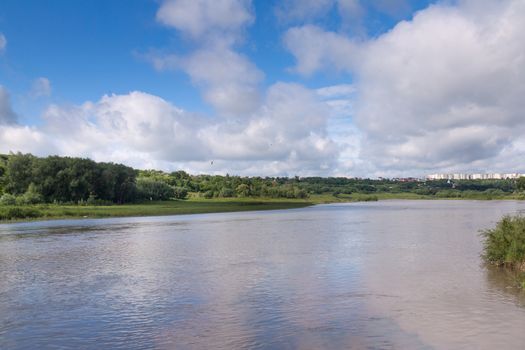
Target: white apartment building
x,y
462,176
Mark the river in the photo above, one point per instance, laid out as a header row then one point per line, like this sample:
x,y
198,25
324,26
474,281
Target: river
x,y
378,275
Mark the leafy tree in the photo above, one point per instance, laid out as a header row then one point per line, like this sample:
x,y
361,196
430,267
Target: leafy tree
x,y
19,172
180,192
125,186
520,184
3,170
243,190
151,189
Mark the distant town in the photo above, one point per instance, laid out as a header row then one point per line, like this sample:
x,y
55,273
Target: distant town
x,y
488,176
457,176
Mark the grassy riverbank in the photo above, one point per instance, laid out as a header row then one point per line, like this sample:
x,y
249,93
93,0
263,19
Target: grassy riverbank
x,y
505,246
173,207
195,205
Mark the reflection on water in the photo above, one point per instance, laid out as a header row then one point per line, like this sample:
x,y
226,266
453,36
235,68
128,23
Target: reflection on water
x,y
393,274
503,281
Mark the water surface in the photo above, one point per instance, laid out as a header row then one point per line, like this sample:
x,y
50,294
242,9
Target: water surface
x,y
381,275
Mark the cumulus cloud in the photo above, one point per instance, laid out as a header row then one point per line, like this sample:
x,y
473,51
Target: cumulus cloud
x,y
229,81
352,13
443,90
132,123
41,87
316,49
286,135
16,138
3,42
201,18
7,115
290,125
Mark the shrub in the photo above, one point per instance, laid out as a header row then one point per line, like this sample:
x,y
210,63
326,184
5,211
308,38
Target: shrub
x,y
7,199
31,196
180,192
93,200
226,192
505,244
299,193
19,213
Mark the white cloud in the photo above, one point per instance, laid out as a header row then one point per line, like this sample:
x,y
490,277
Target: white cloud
x,y
7,115
291,124
316,49
41,87
230,82
444,90
28,139
128,124
352,15
201,18
286,135
341,90
3,42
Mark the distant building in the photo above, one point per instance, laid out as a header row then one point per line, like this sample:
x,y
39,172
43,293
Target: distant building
x,y
462,176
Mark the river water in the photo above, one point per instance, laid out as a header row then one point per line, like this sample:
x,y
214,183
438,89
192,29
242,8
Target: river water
x,y
377,275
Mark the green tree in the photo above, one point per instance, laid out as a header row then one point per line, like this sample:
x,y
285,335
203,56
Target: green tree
x,y
19,173
151,189
243,190
180,192
520,184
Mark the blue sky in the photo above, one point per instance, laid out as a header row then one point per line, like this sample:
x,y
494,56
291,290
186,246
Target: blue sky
x,y
100,43
231,84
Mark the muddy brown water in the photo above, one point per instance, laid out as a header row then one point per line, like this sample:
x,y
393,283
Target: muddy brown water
x,y
381,275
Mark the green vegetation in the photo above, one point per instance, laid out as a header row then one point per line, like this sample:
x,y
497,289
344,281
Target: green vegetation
x,y
173,207
63,186
505,245
194,205
65,180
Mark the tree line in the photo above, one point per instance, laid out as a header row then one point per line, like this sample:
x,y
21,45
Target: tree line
x,y
27,179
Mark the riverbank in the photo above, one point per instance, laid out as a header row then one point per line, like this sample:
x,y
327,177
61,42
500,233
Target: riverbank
x,y
173,207
195,205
